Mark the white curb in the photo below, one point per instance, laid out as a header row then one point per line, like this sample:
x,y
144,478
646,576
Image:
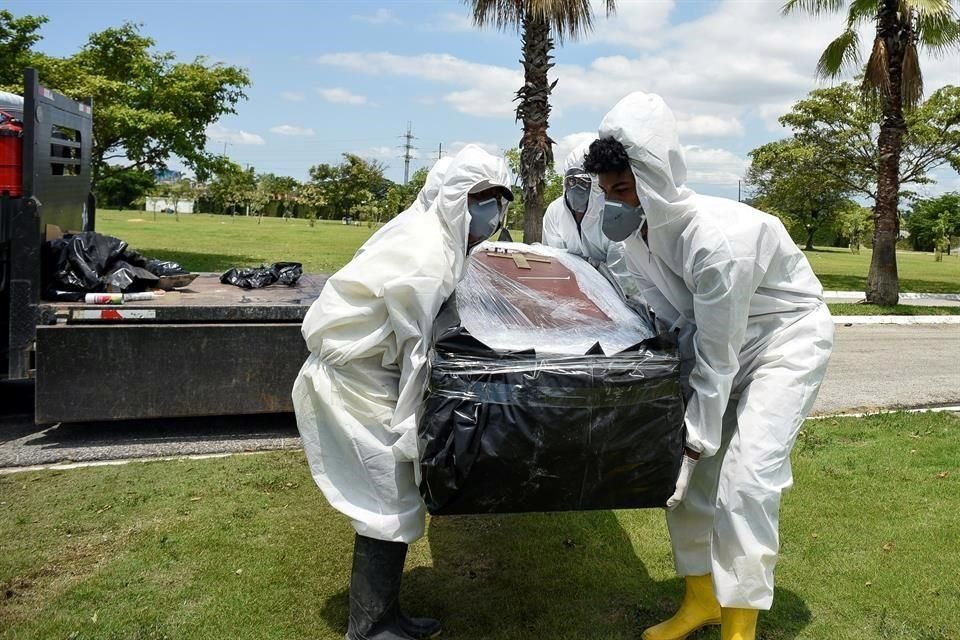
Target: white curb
x,y
896,320
883,412
859,295
61,466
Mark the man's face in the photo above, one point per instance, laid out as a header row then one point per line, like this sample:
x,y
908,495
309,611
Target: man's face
x,y
481,196
620,186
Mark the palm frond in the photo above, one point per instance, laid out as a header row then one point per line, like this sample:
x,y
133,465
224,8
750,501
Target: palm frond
x,y
502,14
862,11
816,7
843,53
929,7
567,18
911,78
939,33
876,76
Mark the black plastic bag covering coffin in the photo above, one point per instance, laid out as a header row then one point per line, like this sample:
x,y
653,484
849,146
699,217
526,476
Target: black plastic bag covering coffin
x,y
517,432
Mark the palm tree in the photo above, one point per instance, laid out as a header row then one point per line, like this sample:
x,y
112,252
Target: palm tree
x,y
892,75
538,21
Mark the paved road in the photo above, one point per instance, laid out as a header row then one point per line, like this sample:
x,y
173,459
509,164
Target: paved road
x,y
873,367
886,366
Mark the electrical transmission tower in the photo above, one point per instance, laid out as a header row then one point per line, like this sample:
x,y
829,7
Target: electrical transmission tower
x,y
407,156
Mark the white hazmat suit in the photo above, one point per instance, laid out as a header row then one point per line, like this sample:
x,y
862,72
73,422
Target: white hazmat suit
x,y
750,311
431,186
560,228
357,395
561,231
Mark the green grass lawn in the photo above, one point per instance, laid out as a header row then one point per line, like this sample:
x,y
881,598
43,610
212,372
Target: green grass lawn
x,y
246,548
840,270
843,309
215,243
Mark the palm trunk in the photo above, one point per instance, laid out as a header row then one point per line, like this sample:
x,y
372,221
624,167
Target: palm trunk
x,y
536,152
883,285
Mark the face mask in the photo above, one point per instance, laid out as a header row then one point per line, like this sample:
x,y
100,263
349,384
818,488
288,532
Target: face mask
x,y
484,218
578,197
619,220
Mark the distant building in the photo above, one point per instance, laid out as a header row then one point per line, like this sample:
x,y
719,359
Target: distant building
x,y
167,175
160,204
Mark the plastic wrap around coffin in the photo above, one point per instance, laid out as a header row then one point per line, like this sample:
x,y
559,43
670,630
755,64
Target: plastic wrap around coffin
x,y
559,304
536,425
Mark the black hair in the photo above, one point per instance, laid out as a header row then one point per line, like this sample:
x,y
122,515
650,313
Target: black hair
x,y
606,155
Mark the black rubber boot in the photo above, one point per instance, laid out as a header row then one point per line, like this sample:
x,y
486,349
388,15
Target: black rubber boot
x,y
375,595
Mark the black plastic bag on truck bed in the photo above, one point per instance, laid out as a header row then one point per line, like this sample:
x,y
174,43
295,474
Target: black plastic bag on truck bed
x,y
287,273
92,262
162,268
503,432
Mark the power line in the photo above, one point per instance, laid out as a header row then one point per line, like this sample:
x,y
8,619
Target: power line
x,y
407,156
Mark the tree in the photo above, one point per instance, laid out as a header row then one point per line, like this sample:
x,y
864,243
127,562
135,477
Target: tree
x,y
232,186
17,37
349,187
539,22
552,181
892,75
841,125
786,177
120,188
148,106
852,222
933,221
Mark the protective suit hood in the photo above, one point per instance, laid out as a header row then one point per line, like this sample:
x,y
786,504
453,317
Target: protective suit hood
x,y
358,394
431,186
467,169
647,129
575,158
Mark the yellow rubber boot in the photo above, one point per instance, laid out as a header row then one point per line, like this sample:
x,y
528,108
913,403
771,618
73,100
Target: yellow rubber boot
x,y
698,609
738,624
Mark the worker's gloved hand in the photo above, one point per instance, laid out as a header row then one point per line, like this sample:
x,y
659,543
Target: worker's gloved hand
x,y
689,463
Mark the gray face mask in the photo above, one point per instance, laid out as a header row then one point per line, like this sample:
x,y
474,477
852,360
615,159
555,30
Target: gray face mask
x,y
620,220
578,198
484,218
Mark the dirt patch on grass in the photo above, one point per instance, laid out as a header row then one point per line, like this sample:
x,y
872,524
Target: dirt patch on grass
x,y
24,596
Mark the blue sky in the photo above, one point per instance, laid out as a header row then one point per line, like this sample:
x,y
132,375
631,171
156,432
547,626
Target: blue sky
x,y
330,76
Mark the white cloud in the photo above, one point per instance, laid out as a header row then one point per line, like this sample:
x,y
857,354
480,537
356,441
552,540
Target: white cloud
x,y
566,144
451,22
337,95
388,153
634,24
708,126
740,62
487,90
380,16
219,133
291,130
713,166
293,96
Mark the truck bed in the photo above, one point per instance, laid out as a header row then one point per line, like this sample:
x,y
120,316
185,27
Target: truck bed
x,y
209,349
204,300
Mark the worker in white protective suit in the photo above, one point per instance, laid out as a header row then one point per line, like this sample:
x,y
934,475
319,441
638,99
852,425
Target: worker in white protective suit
x,y
750,310
431,186
572,223
358,394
